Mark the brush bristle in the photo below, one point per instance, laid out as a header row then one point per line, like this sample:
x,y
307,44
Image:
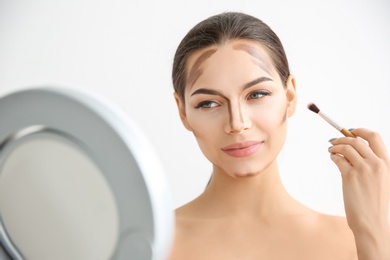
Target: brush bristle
x,y
313,108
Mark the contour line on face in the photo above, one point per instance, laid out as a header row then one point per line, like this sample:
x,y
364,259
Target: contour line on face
x,y
259,57
195,71
249,47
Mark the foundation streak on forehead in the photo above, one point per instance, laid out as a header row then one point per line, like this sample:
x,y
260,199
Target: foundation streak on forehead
x,y
195,72
251,50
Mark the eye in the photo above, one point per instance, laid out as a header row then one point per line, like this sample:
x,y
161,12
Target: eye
x,y
207,104
258,94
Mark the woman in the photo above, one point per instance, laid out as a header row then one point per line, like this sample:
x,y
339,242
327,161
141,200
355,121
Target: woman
x,y
234,91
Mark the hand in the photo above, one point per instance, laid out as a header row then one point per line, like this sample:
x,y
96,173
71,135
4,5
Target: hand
x,y
365,169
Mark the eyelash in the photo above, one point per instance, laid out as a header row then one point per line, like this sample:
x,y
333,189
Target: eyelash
x,y
210,104
262,93
206,104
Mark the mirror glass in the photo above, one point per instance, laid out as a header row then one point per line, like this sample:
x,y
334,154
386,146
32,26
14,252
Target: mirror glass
x,y
59,195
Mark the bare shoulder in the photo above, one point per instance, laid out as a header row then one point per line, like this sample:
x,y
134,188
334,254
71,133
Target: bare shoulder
x,y
336,230
308,236
336,225
188,230
184,223
188,222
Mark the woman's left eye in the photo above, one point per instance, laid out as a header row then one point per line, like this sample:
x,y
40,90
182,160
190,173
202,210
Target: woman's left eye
x,y
258,94
206,104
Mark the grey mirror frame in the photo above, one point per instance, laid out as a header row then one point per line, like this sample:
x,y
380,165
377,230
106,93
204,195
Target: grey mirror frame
x,y
116,145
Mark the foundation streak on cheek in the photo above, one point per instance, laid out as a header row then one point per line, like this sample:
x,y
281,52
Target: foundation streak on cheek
x,y
285,116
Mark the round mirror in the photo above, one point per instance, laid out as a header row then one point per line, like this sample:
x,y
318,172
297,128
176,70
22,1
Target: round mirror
x,y
51,189
78,180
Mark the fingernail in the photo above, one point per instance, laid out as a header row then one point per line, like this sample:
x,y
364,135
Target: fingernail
x,y
331,140
330,147
351,129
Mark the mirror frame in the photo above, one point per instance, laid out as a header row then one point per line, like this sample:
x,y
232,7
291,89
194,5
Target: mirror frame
x,y
116,145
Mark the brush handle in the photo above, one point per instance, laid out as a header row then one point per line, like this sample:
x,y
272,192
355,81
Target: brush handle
x,y
347,133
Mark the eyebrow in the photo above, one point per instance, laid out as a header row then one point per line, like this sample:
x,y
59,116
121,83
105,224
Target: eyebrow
x,y
194,72
261,61
218,93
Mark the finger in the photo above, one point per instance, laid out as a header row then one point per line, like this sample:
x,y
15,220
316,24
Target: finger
x,y
348,152
358,144
342,164
374,141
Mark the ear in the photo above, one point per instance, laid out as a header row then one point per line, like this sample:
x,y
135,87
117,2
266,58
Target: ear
x,y
291,95
182,111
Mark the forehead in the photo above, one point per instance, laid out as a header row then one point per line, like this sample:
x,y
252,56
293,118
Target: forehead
x,y
253,49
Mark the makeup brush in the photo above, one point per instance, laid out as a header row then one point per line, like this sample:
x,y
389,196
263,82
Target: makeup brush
x,y
316,110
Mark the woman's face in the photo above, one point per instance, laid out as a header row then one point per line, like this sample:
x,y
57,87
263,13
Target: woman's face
x,y
237,106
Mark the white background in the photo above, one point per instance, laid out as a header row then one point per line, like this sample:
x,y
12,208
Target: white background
x,y
123,50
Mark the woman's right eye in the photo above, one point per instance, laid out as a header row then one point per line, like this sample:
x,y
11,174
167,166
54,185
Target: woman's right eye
x,y
207,104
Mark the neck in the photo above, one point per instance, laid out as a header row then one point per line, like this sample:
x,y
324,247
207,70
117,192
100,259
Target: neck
x,y
260,195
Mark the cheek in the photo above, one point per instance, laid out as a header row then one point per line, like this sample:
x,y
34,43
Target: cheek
x,y
203,126
272,117
285,116
207,132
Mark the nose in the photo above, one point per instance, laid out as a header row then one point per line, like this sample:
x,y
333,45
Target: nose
x,y
238,121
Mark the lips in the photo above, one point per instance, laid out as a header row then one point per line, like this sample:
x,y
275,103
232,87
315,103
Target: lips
x,y
242,149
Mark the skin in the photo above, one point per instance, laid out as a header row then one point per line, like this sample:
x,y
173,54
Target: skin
x,y
365,165
234,95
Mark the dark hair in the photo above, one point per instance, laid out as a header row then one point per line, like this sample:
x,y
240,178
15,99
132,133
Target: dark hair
x,y
219,29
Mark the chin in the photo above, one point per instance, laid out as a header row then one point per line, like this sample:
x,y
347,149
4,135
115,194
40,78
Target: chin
x,y
250,170
244,175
